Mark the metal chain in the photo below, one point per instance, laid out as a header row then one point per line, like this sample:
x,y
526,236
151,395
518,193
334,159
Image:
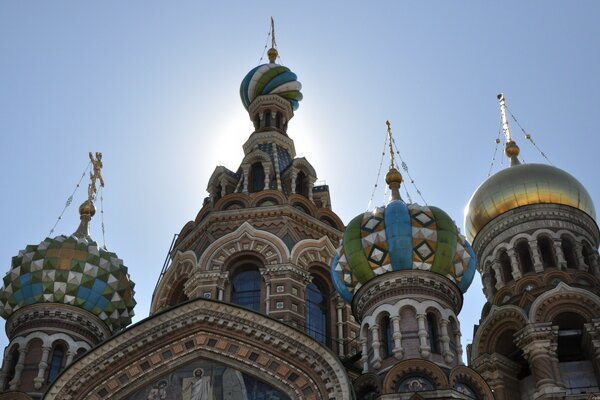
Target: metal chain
x,y
528,137
102,216
378,174
405,168
69,199
495,152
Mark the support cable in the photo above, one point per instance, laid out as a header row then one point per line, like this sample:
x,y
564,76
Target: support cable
x,y
69,199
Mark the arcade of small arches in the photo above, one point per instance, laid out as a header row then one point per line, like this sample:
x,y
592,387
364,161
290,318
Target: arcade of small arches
x,y
539,252
410,329
38,357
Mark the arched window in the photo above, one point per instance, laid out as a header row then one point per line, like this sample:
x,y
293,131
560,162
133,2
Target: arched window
x,y
524,255
387,336
267,119
245,289
302,184
546,252
177,294
278,120
257,178
14,359
504,260
568,250
432,330
56,362
570,331
316,312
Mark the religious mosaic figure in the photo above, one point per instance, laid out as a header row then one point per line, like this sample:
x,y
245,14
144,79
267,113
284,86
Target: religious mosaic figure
x,y
199,387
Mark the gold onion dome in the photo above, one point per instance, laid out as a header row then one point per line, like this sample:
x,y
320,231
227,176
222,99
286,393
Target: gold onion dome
x,y
522,185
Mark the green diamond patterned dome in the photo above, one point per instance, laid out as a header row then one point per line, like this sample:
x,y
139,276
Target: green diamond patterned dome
x,y
401,237
70,270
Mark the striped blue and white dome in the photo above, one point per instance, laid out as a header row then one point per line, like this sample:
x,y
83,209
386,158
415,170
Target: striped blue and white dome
x,y
271,79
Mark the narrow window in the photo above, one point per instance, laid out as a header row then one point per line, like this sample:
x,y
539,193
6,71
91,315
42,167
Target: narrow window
x,y
505,266
278,120
301,184
586,251
268,119
387,336
316,313
257,122
56,363
433,333
545,248
524,257
257,180
245,289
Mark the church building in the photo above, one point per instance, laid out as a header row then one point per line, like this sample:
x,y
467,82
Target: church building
x,y
267,295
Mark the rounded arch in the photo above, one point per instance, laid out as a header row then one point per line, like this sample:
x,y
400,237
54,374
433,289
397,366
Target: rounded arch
x,y
498,321
414,367
232,201
564,298
330,218
305,205
170,288
468,376
308,251
244,240
275,196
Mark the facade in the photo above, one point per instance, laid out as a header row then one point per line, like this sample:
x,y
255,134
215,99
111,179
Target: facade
x,y
268,296
534,232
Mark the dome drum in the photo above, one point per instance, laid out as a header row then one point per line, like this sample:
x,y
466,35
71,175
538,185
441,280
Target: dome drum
x,y
414,284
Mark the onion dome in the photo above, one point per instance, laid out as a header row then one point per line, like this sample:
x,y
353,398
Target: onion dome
x,y
400,237
72,270
521,185
271,78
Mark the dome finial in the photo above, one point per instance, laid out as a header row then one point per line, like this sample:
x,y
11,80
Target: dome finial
x,y
511,149
87,208
272,53
393,178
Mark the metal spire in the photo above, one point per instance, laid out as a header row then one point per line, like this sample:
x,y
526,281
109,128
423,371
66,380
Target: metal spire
x,y
393,178
272,53
511,149
87,208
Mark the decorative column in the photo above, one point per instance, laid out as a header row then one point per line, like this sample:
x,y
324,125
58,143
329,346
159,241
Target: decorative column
x,y
488,290
267,169
365,355
376,344
311,185
424,346
293,176
580,260
514,264
339,306
459,348
498,273
560,256
535,254
16,381
276,166
397,335
539,342
70,356
445,338
38,381
246,171
497,371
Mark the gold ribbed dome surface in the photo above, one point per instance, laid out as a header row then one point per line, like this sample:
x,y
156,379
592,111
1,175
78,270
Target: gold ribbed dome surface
x,y
522,185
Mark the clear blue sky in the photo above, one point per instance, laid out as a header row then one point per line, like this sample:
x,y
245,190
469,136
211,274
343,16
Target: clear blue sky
x,y
154,86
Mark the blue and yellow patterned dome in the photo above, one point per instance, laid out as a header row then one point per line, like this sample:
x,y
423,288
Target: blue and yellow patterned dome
x,y
401,237
271,78
70,270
